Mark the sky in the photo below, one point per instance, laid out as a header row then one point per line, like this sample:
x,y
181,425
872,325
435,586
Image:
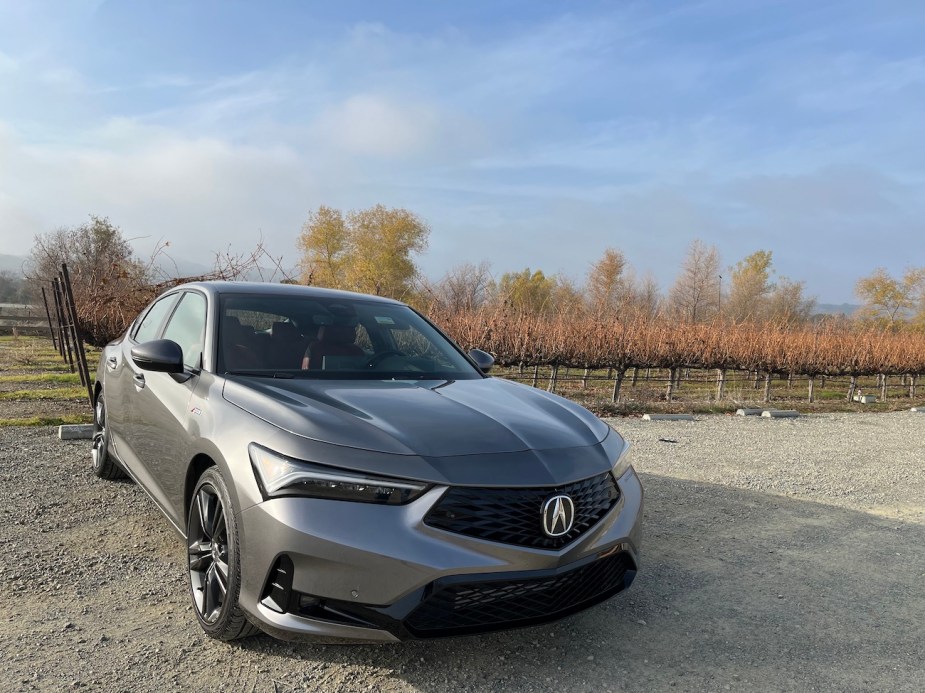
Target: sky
x,y
525,133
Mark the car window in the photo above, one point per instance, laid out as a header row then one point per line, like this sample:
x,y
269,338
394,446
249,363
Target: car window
x,y
333,337
414,343
154,318
187,327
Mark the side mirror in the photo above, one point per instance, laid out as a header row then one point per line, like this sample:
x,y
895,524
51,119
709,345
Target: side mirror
x,y
482,359
162,355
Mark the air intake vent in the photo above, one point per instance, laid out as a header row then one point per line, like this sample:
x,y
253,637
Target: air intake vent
x,y
277,593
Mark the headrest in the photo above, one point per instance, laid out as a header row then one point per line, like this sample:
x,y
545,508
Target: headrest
x,y
234,330
337,334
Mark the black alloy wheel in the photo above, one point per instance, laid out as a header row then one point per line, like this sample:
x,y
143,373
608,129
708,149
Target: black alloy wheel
x,y
214,568
104,466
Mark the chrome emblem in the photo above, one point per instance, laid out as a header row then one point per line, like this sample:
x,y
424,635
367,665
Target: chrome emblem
x,y
558,516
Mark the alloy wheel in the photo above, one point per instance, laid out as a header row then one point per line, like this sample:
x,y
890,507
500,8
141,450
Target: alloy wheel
x,y
208,553
99,449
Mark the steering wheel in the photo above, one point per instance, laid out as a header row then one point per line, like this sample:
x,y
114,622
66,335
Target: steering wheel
x,y
376,359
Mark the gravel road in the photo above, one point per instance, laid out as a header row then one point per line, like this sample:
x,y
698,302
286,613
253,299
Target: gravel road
x,y
782,555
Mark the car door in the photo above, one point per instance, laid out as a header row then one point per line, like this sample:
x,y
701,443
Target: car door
x,y
120,386
161,408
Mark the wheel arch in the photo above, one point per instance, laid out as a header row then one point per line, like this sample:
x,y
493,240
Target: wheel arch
x,y
199,464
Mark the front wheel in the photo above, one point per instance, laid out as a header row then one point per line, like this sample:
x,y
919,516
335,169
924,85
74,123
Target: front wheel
x,y
214,560
104,466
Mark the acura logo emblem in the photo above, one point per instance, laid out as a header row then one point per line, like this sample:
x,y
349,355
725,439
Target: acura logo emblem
x,y
558,516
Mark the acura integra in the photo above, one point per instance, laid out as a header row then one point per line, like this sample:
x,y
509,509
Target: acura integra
x,y
339,468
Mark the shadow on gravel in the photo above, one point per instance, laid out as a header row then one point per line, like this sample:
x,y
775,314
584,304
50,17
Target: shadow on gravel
x,y
737,590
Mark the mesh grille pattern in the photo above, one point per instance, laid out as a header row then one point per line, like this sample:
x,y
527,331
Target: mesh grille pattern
x,y
487,605
513,515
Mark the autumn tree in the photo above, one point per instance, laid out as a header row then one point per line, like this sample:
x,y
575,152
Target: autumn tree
x,y
527,291
606,286
749,287
324,246
887,300
567,296
788,303
695,294
370,250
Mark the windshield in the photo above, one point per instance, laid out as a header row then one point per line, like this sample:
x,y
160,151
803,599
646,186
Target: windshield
x,y
287,336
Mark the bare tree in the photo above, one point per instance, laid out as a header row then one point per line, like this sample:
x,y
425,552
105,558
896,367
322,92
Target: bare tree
x,y
465,287
647,298
695,294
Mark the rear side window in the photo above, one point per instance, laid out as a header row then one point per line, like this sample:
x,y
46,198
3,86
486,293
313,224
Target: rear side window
x,y
154,318
187,327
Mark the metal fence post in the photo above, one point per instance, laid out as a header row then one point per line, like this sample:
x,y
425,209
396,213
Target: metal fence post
x,y
78,341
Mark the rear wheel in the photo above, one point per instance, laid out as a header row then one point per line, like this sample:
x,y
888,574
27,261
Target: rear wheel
x,y
214,561
104,466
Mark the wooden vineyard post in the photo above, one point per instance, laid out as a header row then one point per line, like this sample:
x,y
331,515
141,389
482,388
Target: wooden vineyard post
x,y
767,386
812,388
617,384
720,384
553,377
852,387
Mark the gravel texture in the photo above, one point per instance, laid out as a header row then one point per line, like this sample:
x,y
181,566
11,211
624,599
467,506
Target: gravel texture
x,y
780,555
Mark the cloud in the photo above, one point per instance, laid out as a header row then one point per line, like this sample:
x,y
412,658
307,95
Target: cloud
x,y
537,140
201,193
375,125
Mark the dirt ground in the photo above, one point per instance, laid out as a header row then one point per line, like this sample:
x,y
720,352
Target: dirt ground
x,y
780,556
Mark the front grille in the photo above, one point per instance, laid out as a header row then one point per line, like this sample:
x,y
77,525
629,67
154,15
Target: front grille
x,y
457,608
513,515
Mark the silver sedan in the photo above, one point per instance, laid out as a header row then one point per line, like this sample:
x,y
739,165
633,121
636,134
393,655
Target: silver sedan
x,y
338,467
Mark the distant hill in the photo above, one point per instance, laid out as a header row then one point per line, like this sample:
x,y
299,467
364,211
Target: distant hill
x,y
12,264
836,309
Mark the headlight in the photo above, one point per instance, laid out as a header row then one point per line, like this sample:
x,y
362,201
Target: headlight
x,y
623,461
282,476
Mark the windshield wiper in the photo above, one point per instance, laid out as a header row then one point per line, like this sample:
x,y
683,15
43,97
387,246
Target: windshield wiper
x,y
262,374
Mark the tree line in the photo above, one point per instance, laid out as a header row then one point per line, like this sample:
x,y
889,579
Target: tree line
x,y
377,250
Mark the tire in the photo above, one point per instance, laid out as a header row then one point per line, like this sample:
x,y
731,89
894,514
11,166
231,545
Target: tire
x,y
214,560
103,463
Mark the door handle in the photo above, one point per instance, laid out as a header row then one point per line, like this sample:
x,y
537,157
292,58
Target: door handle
x,y
139,379
111,363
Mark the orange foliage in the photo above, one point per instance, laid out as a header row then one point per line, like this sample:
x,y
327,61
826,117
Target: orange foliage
x,y
583,340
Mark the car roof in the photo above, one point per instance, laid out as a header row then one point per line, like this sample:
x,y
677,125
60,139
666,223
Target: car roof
x,y
222,288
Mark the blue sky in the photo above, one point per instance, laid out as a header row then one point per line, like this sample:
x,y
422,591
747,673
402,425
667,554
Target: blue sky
x,y
527,133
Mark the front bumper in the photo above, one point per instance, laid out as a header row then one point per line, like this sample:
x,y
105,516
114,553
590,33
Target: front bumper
x,y
379,574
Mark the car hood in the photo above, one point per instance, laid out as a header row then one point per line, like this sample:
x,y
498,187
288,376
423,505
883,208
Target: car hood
x,y
426,418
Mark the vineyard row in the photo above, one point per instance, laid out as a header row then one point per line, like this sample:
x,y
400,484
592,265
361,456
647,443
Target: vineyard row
x,y
595,342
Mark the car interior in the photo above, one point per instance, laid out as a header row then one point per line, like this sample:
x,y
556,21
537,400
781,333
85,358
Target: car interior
x,y
260,334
